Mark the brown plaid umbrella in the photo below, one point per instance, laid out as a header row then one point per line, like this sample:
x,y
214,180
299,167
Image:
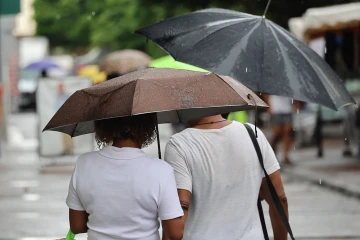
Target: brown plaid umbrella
x,y
125,61
175,95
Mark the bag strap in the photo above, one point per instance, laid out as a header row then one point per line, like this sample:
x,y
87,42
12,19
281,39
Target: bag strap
x,y
262,220
274,195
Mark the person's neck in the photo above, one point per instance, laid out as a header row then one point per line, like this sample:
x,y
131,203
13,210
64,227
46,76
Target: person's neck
x,y
212,122
120,143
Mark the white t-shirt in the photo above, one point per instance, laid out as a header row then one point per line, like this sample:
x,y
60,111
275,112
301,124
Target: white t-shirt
x,y
281,105
125,192
221,169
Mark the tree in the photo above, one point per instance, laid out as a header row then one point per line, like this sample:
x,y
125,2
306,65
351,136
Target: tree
x,y
77,24
64,22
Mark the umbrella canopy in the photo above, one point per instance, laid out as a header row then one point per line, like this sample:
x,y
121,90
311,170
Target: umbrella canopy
x,y
43,65
125,61
175,95
252,49
169,62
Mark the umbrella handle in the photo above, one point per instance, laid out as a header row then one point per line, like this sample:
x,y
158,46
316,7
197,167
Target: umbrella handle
x,y
250,97
266,9
157,136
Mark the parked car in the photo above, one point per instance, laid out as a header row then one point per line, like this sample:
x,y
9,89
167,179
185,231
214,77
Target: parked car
x,y
27,86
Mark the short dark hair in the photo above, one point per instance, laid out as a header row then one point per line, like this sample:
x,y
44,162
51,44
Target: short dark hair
x,y
140,128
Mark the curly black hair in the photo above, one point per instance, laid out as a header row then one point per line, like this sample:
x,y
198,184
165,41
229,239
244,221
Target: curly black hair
x,y
140,128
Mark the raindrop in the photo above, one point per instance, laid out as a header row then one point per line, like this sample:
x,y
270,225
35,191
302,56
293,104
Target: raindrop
x,y
294,147
292,101
246,70
297,111
320,181
89,17
58,16
325,50
93,13
260,94
345,139
294,129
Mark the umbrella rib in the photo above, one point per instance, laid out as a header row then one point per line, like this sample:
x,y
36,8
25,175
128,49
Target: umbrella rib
x,y
72,134
242,20
178,115
304,55
246,103
263,59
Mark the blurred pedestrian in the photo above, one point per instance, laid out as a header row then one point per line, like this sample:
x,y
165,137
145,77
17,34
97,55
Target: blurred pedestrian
x,y
349,129
60,100
119,192
218,178
44,74
281,110
357,124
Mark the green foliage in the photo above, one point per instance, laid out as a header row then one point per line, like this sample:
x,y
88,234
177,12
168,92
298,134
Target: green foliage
x,y
82,24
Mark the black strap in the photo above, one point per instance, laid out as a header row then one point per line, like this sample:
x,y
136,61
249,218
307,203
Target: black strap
x,y
262,220
274,195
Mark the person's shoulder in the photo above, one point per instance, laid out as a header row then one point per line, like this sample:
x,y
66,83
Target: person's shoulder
x,y
253,128
179,139
158,168
158,164
86,157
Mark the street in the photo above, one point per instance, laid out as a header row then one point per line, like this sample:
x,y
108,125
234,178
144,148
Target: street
x,y
32,201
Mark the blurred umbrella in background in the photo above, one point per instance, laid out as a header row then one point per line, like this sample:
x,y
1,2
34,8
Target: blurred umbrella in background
x,y
93,72
43,65
125,61
252,49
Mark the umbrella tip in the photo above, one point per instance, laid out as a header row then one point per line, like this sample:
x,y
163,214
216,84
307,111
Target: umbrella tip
x,y
267,8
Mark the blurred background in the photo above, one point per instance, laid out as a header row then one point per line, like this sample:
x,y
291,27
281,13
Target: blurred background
x,y
49,49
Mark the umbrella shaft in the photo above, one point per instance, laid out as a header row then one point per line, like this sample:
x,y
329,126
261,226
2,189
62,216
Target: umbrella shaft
x,y
267,7
157,136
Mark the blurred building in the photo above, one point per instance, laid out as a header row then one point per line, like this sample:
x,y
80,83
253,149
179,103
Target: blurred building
x,y
25,23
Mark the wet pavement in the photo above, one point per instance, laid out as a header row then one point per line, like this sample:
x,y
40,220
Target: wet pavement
x,y
32,200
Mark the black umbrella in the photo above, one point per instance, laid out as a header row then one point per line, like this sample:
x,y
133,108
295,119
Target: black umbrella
x,y
259,53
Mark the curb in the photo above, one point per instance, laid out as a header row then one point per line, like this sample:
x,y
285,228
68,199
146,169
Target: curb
x,y
322,182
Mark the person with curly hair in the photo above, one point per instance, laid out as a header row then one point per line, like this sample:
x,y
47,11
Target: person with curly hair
x,y
119,192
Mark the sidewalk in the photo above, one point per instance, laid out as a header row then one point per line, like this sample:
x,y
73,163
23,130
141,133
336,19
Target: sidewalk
x,y
332,170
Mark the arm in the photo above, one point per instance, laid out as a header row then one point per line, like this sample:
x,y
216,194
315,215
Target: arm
x,y
173,229
78,221
184,196
78,217
174,156
280,232
170,211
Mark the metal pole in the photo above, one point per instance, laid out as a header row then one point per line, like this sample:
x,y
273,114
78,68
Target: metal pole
x,y
266,9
